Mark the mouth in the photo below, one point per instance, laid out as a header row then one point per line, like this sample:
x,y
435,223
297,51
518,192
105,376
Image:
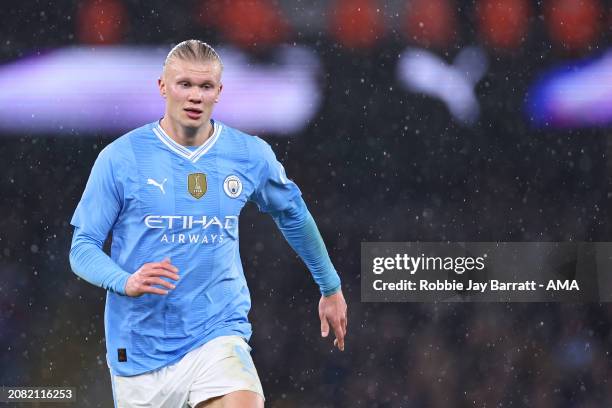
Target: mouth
x,y
193,113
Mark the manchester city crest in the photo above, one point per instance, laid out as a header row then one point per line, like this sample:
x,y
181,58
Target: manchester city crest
x,y
232,186
196,184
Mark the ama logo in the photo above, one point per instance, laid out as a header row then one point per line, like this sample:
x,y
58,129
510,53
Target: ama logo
x,y
562,285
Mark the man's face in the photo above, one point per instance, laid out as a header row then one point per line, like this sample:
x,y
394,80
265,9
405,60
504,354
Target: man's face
x,y
191,89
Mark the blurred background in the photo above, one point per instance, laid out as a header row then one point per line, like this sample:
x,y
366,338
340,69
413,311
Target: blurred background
x,y
484,120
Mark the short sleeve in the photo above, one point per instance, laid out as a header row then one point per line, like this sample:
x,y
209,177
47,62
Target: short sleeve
x,y
274,191
100,204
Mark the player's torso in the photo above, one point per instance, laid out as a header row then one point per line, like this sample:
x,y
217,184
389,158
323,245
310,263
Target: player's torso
x,y
187,196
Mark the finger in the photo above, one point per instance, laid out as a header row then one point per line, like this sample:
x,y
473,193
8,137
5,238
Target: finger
x,y
167,266
164,265
167,261
162,272
339,332
153,290
340,344
324,327
158,281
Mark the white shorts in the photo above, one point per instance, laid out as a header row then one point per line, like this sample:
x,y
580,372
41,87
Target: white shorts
x,y
216,368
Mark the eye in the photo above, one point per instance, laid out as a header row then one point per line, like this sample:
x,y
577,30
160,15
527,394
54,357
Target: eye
x,y
184,84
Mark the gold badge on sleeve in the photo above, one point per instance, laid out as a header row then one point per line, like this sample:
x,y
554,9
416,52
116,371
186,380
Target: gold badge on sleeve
x,y
196,184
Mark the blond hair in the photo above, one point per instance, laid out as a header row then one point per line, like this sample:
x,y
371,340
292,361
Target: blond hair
x,y
193,50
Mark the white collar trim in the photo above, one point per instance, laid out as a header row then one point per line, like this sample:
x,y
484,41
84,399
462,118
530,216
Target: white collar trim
x,y
181,150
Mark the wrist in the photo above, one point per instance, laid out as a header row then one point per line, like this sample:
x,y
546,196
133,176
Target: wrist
x,y
330,292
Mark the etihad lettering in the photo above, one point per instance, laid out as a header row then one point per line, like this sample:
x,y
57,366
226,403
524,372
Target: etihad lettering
x,y
229,222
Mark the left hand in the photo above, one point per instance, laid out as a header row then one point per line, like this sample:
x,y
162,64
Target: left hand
x,y
332,311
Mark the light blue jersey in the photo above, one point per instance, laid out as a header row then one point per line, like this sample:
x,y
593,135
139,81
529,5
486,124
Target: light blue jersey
x,y
161,199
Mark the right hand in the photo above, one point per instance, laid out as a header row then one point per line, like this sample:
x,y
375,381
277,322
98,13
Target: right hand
x,y
149,274
332,312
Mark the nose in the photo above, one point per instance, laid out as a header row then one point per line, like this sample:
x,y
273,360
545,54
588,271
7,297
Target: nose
x,y
195,95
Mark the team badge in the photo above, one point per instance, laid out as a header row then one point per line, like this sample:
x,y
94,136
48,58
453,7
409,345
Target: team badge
x,y
196,184
232,186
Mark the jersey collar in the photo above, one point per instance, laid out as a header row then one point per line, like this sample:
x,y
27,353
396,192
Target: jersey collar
x,y
181,150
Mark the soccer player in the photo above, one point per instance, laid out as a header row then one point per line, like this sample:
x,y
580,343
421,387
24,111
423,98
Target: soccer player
x,y
177,300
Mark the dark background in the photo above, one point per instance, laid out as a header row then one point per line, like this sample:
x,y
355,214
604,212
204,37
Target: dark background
x,y
378,163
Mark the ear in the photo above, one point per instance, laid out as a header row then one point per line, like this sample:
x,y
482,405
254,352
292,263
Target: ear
x,y
162,87
219,93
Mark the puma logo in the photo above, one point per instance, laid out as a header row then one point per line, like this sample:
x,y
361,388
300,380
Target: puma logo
x,y
156,184
454,84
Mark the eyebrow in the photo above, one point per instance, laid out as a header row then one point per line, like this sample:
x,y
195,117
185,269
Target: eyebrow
x,y
187,79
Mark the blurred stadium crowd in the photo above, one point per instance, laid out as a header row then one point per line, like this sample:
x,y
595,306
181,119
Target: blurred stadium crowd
x,y
382,160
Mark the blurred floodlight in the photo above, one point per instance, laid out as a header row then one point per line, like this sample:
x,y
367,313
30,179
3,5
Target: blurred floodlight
x,y
573,96
431,23
114,89
425,72
504,24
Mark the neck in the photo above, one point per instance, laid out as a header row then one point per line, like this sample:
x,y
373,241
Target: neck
x,y
187,136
